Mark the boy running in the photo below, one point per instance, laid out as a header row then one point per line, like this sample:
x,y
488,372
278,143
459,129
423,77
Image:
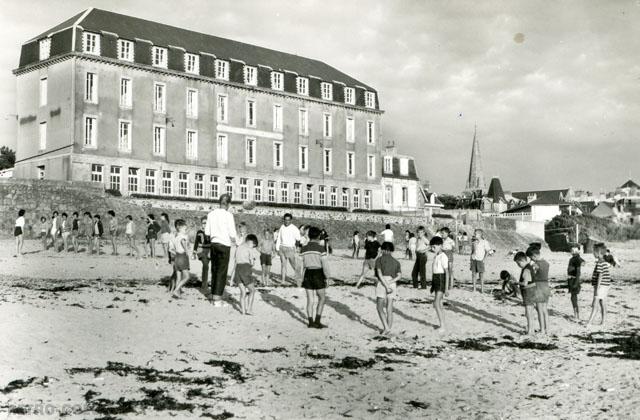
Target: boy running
x,y
388,272
371,247
316,272
246,257
574,271
601,281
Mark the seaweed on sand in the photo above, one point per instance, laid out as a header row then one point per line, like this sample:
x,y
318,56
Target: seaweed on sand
x,y
23,383
273,350
156,399
351,362
626,344
471,344
418,404
319,356
222,416
232,369
146,374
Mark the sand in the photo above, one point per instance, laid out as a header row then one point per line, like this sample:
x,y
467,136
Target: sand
x,y
98,337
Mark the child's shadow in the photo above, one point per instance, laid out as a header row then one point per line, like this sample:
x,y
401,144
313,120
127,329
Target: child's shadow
x,y
399,312
343,309
283,305
483,316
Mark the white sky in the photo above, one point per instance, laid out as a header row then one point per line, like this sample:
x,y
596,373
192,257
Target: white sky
x,y
559,108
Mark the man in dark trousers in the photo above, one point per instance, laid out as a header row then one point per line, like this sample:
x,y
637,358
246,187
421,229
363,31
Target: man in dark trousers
x,y
221,228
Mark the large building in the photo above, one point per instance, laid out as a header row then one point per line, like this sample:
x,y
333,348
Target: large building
x,y
149,108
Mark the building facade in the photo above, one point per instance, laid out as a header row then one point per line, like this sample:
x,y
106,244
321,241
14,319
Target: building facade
x,y
146,108
401,186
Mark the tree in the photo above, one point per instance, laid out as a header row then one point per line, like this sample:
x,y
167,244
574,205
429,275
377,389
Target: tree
x,y
7,158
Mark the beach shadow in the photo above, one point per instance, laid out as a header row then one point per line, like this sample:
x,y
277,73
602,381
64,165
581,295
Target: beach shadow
x,y
400,313
483,316
343,309
283,305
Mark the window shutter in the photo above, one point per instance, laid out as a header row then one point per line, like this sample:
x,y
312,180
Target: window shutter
x,y
338,92
360,96
290,82
143,52
175,59
264,77
236,71
109,46
207,65
314,87
61,42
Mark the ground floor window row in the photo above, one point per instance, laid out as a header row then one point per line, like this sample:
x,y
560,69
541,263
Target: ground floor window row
x,y
199,185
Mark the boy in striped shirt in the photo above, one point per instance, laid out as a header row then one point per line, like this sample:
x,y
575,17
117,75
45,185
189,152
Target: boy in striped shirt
x,y
601,282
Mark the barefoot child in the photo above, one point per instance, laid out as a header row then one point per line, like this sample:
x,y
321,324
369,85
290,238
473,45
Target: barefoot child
x,y
65,228
266,254
246,257
98,231
113,231
202,250
601,281
371,248
315,274
448,245
509,284
574,271
87,231
480,248
54,230
130,235
541,278
387,274
527,288
75,231
18,232
44,228
153,228
355,243
440,280
178,247
420,266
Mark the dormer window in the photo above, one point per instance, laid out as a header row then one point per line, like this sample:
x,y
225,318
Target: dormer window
x,y
125,50
327,91
370,99
192,63
45,48
222,69
349,96
531,197
404,167
159,57
276,80
302,86
388,164
251,75
91,43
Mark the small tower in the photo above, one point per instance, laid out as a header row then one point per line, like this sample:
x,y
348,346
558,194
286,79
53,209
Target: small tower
x,y
476,177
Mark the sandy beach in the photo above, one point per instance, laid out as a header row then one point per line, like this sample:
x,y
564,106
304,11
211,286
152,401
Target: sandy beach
x,y
98,337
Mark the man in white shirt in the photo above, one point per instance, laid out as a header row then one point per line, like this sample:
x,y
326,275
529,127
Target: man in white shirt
x,y
286,240
387,234
221,228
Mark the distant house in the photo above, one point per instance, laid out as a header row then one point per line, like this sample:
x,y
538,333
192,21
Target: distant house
x,y
494,200
431,202
400,182
605,210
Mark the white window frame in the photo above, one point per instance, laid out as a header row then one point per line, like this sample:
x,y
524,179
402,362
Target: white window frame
x,y
297,193
345,197
126,93
228,186
133,180
322,196
271,191
42,136
278,146
97,172
333,197
91,43
303,122
350,128
91,87
284,192
159,148
222,148
198,185
183,184
214,186
404,166
43,90
244,189
367,199
327,169
251,112
355,198
92,142
371,132
327,125
124,123
351,159
369,99
349,96
222,108
387,166
191,143
126,50
115,178
192,63
278,125
326,90
160,107
166,183
388,194
257,190
405,196
44,49
251,147
303,158
192,103
277,80
221,69
371,166
159,57
309,196
250,75
302,86
150,181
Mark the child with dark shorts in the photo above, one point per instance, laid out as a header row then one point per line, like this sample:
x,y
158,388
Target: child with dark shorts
x,y
388,273
316,272
18,232
440,280
267,247
448,245
44,228
246,258
543,292
178,250
371,248
573,272
527,288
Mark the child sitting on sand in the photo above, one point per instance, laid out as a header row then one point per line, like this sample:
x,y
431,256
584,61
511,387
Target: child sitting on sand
x,y
178,248
246,258
573,271
527,288
371,248
387,274
315,274
601,281
509,284
440,279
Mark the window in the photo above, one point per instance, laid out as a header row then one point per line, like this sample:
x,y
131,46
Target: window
x,y
303,122
250,75
90,131
159,57
367,199
309,195
132,180
351,170
192,103
43,91
167,182
250,156
276,80
159,137
91,43
221,148
41,172
183,184
42,136
228,186
405,196
45,48
96,172
198,185
328,162
277,118
284,192
303,158
297,193
114,178
251,113
349,96
327,91
326,126
126,97
150,181
370,99
124,136
345,197
91,88
321,195
388,194
192,63
388,164
277,155
222,108
257,190
192,144
350,127
271,191
356,199
371,132
302,86
244,189
125,50
404,166
213,186
371,166
159,97
222,69
334,196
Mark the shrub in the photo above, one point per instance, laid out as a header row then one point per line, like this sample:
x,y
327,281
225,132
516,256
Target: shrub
x,y
114,193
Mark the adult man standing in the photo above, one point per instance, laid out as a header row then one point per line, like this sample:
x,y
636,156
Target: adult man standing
x,y
221,229
286,240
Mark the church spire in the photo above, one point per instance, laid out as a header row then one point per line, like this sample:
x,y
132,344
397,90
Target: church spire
x,y
476,177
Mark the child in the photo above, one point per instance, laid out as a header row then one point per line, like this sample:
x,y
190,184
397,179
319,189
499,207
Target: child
x,y
315,274
601,281
98,230
573,271
18,232
130,234
413,243
242,234
448,245
420,266
165,234
388,272
152,234
75,231
542,293
355,243
440,279
87,230
527,288
113,231
480,248
407,251
371,247
54,230
509,284
44,232
608,257
65,228
201,250
266,253
246,257
178,247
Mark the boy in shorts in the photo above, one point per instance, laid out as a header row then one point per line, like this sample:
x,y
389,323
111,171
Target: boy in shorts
x,y
574,271
44,228
480,248
113,231
266,254
541,278
316,272
448,245
202,251
601,281
130,234
98,231
387,274
18,232
440,279
371,247
65,228
246,257
178,247
527,288
75,231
